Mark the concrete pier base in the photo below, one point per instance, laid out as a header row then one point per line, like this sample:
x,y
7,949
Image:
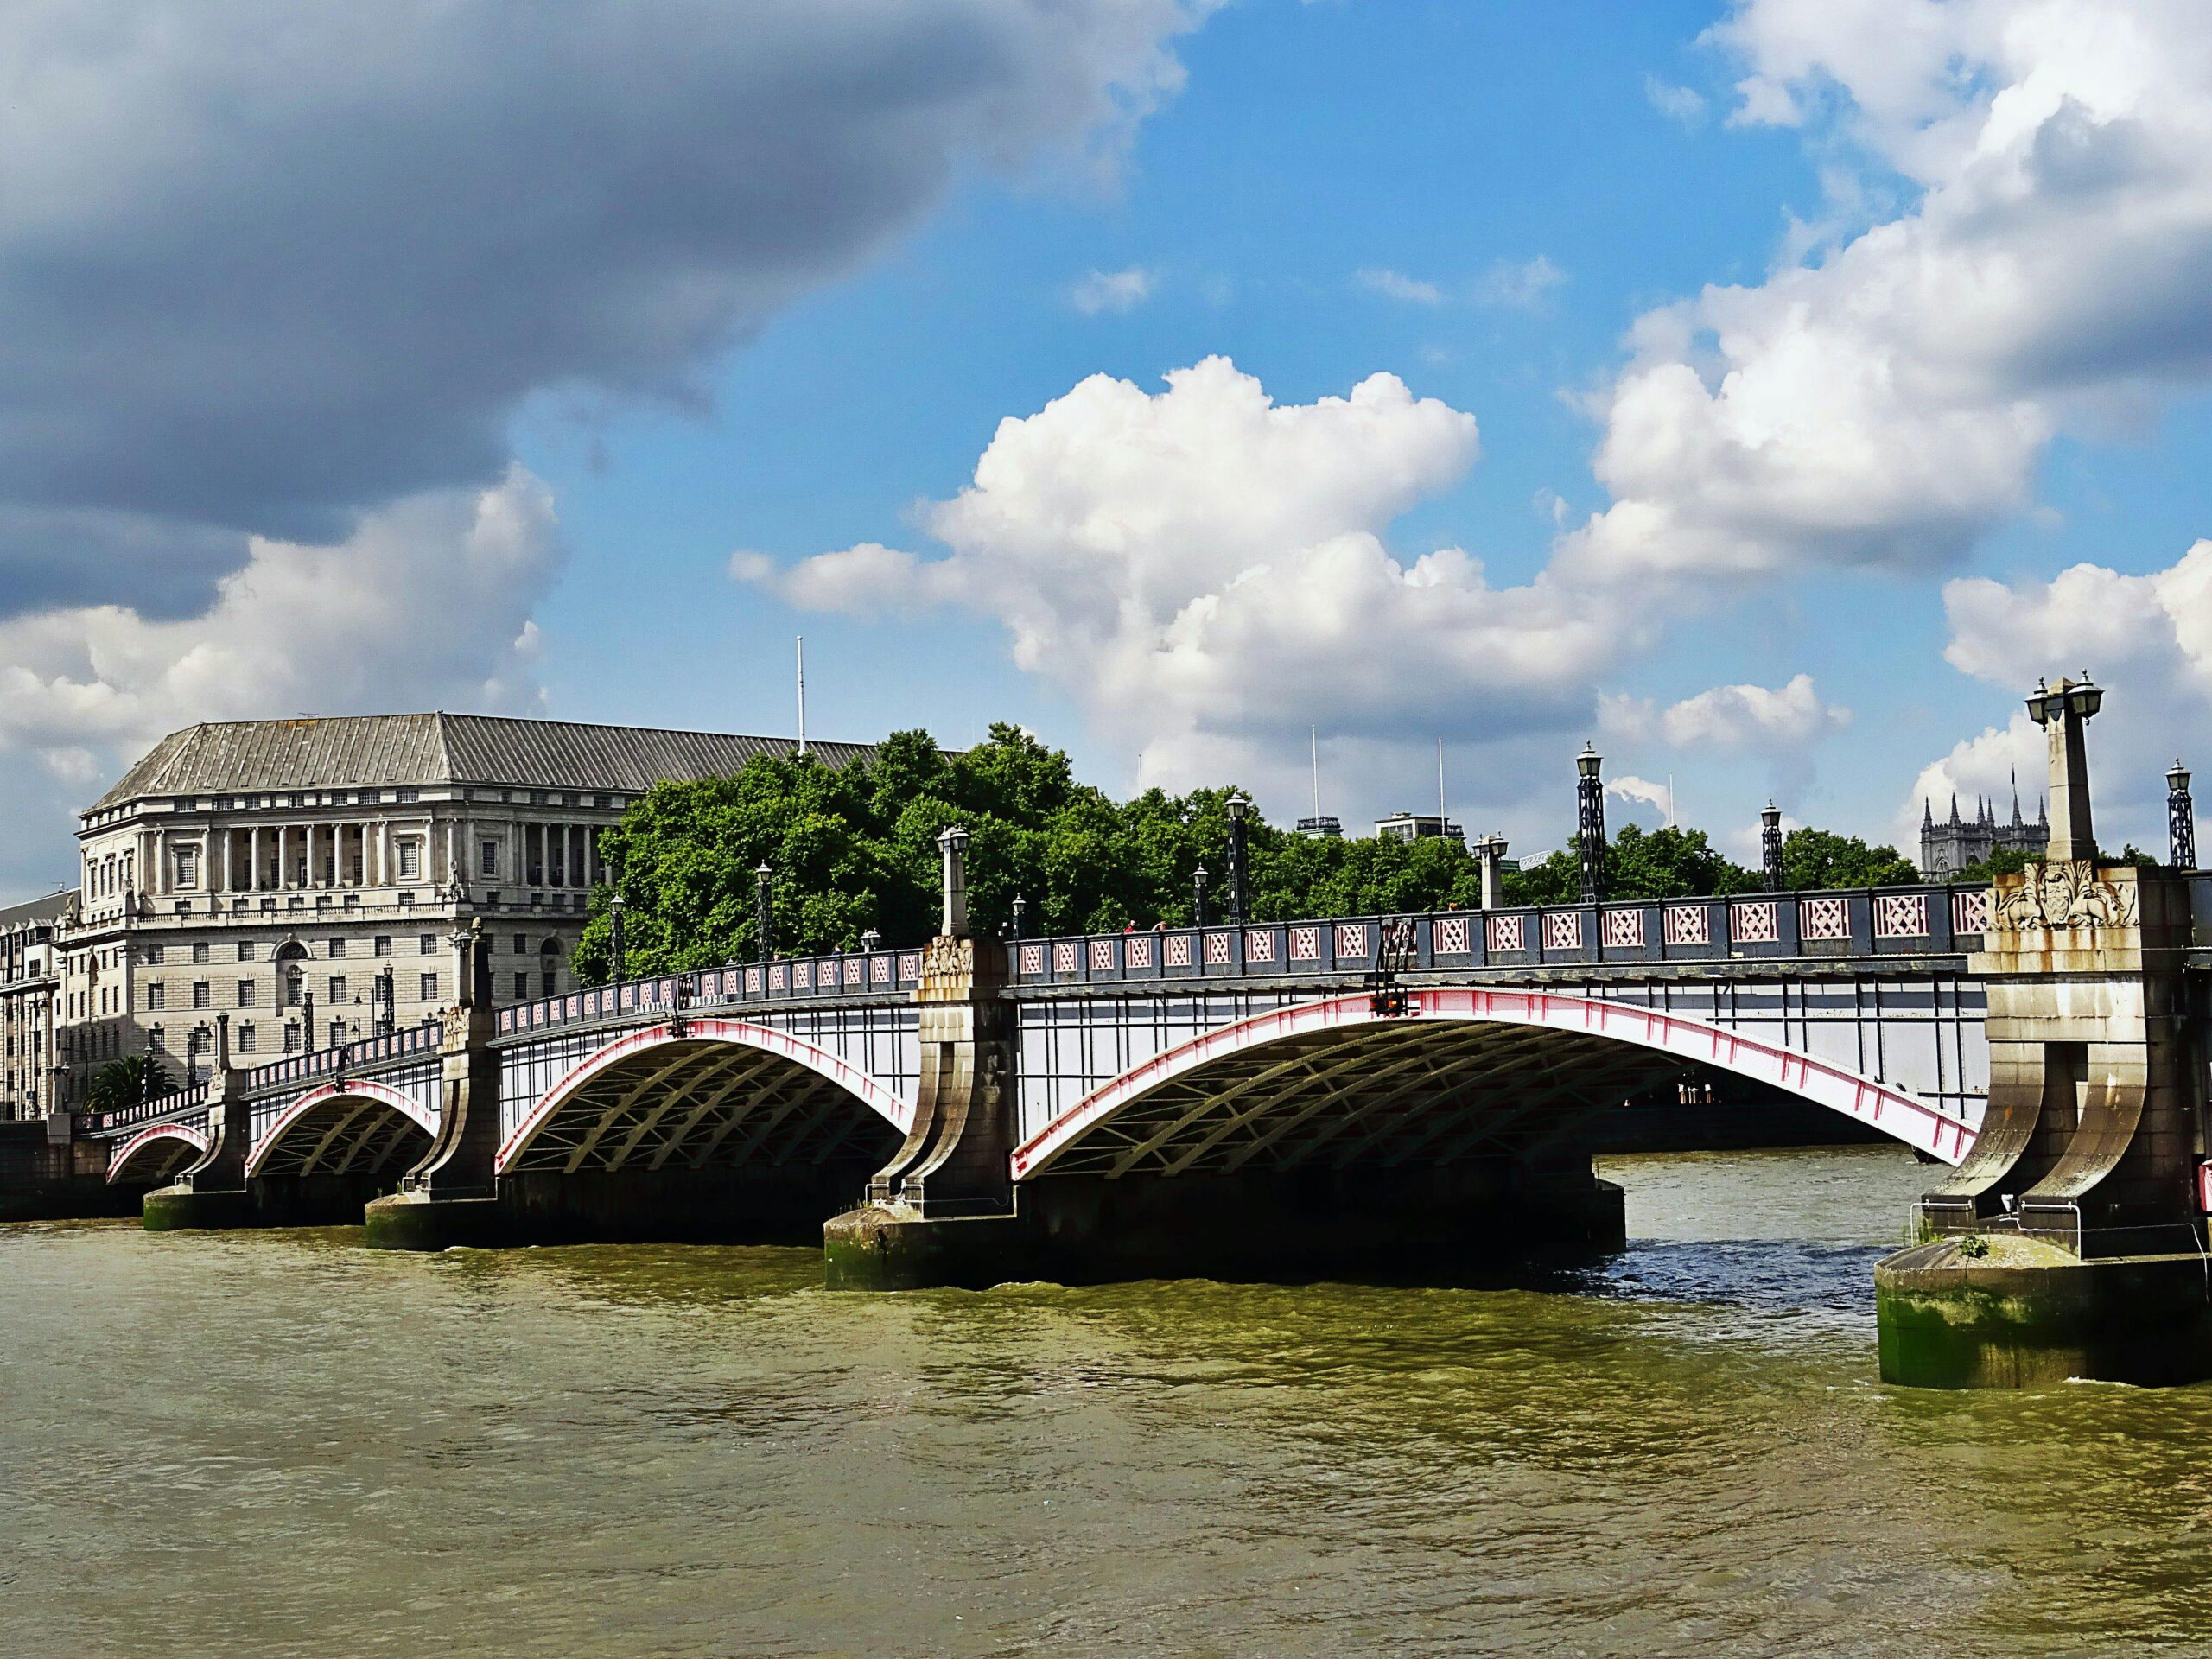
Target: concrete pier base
x,y
262,1201
414,1221
1422,1227
174,1209
2029,1313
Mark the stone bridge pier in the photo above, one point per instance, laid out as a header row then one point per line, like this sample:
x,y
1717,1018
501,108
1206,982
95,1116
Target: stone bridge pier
x,y
2070,1241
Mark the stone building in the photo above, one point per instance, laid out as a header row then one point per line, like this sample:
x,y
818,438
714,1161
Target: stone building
x,y
31,981
1949,846
306,877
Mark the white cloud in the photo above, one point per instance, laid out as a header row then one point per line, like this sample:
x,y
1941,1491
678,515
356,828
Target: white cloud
x,y
1100,291
1788,716
1205,572
1888,403
1680,104
1520,285
2147,639
1642,792
425,605
1396,285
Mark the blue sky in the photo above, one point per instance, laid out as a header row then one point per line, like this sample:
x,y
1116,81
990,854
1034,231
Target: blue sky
x,y
1807,347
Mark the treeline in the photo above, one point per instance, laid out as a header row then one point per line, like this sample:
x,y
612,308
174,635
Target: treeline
x,y
854,850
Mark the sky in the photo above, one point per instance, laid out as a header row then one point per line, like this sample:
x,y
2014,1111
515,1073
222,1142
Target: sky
x,y
1768,393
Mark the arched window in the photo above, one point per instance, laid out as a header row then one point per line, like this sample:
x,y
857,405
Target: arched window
x,y
291,973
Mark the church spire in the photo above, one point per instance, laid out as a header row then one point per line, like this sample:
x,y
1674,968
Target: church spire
x,y
1954,809
1928,812
2016,797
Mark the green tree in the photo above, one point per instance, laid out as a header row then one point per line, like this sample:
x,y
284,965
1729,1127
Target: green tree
x,y
1819,858
126,1082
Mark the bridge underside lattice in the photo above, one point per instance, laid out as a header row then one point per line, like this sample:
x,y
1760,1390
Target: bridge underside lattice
x,y
1388,1094
344,1134
701,1104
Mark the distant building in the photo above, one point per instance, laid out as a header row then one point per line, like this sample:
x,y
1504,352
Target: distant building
x,y
307,877
1418,826
1326,827
31,976
1947,848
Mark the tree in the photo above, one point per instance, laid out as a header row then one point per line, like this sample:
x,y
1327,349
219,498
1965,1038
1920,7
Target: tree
x,y
126,1082
1819,858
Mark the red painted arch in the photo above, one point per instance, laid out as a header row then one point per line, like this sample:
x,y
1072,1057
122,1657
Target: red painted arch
x,y
1895,1113
358,1088
900,1114
196,1139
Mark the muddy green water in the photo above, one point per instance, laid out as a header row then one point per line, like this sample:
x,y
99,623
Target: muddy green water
x,y
260,1444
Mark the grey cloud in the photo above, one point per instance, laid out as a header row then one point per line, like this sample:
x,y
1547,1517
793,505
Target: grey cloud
x,y
259,272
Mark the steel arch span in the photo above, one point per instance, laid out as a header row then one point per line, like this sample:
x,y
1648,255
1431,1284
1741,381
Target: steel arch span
x,y
724,1092
157,1153
1332,1081
350,1127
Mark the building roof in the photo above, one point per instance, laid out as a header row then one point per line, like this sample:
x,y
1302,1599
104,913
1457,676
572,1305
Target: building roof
x,y
37,910
358,751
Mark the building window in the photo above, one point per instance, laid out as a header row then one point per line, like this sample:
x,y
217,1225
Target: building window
x,y
158,997
407,795
337,989
247,1042
153,956
203,994
188,867
522,987
488,861
522,944
200,951
246,994
429,943
337,949
384,945
337,1032
410,861
291,1037
552,981
429,988
296,989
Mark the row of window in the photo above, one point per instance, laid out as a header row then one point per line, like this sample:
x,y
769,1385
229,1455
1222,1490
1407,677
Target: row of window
x,y
425,944
293,991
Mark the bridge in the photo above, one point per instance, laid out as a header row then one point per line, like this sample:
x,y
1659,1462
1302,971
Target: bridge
x,y
1343,1067
1400,1095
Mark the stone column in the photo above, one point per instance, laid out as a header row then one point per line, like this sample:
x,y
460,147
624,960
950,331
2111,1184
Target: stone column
x,y
1491,849
2064,715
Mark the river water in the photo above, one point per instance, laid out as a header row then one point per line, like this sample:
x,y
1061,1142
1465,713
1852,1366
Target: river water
x,y
282,1443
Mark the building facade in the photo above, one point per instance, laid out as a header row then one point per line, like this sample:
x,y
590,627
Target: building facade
x,y
1949,846
30,983
306,878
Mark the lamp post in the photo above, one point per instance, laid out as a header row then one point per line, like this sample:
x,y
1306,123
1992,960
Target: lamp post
x,y
386,1002
2063,711
1020,913
1199,896
953,844
1770,845
1590,823
871,942
1238,896
2181,819
764,923
155,1039
615,918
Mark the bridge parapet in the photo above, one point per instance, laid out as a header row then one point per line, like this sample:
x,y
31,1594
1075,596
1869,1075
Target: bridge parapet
x,y
1916,922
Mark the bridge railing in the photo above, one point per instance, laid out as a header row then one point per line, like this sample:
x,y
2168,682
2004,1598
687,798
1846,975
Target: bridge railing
x,y
787,979
175,1104
425,1039
1860,922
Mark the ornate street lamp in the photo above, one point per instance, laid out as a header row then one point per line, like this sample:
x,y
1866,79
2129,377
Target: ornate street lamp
x,y
764,923
1021,911
2181,819
614,949
1590,823
871,942
1770,845
1199,896
1238,895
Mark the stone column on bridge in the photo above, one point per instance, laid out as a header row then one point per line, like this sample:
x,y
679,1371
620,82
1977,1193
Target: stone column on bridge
x,y
2067,1241
1490,849
451,1197
942,1210
213,1191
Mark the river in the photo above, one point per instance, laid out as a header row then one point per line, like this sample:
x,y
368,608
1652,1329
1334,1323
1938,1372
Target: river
x,y
282,1443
